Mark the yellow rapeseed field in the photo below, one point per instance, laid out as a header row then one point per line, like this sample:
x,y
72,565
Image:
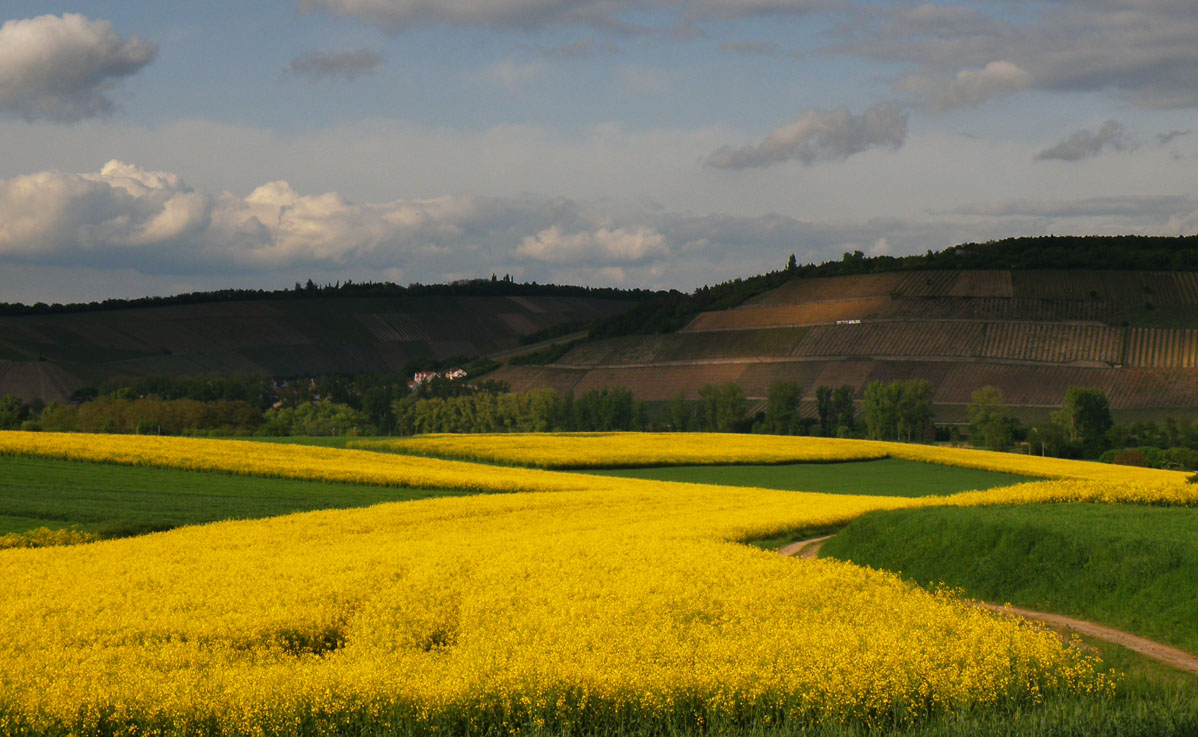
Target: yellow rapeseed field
x,y
282,461
597,450
610,604
45,537
629,449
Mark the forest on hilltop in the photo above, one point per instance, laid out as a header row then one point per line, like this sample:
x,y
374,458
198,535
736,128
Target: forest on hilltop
x,y
668,312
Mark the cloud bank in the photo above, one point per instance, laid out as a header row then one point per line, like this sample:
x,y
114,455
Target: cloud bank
x,y
125,227
1142,51
62,68
820,135
130,220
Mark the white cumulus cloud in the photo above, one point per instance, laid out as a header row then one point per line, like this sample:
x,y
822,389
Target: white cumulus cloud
x,y
820,135
124,216
602,245
153,221
968,87
62,68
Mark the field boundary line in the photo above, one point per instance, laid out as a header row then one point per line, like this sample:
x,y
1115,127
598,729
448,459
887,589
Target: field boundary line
x,y
1180,659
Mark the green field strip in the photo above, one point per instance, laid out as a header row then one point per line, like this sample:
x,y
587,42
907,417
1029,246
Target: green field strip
x,y
885,477
117,500
1130,567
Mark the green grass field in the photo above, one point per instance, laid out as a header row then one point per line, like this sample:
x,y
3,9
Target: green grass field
x,y
123,500
1127,566
886,477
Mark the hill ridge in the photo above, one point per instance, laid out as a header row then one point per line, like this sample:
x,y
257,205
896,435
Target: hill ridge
x,y
1134,334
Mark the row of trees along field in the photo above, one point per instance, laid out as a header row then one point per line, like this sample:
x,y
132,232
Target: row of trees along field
x,y
1082,428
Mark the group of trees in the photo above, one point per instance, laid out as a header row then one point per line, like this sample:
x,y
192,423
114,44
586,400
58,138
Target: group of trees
x,y
836,410
538,410
257,391
899,410
147,416
1077,430
990,422
724,408
1083,427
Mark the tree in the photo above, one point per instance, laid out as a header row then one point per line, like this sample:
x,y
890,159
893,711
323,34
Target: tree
x,y
880,408
679,413
781,407
1052,439
723,407
844,409
376,404
12,412
825,409
544,409
990,423
792,265
899,410
1085,416
915,409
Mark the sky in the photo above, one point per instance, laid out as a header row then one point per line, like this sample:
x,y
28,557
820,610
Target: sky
x,y
159,148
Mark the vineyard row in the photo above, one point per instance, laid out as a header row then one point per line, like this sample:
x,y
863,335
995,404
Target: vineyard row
x,y
1013,341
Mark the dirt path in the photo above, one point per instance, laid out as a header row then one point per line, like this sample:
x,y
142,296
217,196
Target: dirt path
x,y
1179,659
804,548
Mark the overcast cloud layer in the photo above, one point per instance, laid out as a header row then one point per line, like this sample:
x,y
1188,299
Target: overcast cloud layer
x,y
655,143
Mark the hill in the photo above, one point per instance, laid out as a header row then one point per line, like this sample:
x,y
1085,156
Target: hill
x,y
1031,332
47,353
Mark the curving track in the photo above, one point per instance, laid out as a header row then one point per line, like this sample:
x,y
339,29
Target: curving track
x,y
1179,659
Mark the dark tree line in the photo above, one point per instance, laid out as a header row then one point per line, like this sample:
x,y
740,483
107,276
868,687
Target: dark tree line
x,y
493,287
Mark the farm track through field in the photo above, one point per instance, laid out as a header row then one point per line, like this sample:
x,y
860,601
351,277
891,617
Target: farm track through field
x,y
1171,656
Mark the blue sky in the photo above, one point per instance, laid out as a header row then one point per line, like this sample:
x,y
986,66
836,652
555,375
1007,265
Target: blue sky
x,y
150,148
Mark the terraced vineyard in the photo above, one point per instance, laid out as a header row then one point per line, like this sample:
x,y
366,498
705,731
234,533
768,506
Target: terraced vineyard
x,y
1031,333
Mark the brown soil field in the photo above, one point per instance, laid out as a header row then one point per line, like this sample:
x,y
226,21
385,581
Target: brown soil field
x,y
810,313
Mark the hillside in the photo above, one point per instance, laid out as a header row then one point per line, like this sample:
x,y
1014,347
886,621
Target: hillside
x,y
1032,333
48,355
